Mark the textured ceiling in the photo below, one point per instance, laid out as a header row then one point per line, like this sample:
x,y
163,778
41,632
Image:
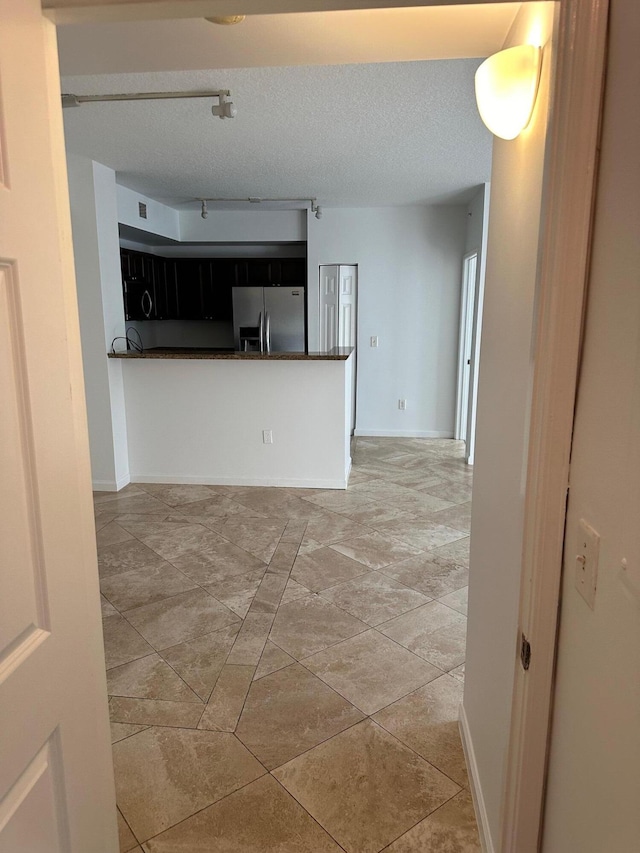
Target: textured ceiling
x,y
351,135
369,134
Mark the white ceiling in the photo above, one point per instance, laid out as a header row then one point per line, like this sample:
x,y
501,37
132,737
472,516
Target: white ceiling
x,y
370,134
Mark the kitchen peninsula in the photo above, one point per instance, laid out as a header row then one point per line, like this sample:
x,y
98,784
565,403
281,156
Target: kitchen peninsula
x,y
239,418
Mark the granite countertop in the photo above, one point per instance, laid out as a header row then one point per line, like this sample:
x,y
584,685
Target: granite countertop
x,y
336,354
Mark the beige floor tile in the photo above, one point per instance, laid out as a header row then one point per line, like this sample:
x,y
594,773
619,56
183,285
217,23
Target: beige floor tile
x,y
218,562
283,558
431,578
126,838
450,829
435,632
102,518
341,502
427,721
420,533
374,598
375,550
324,568
180,618
252,637
458,600
122,643
119,731
378,514
177,494
237,592
454,492
165,775
260,817
272,660
365,787
144,586
290,711
149,678
154,712
125,557
111,534
370,670
269,593
457,516
200,661
310,624
184,541
330,527
228,697
106,608
140,502
293,590
455,553
258,536
458,672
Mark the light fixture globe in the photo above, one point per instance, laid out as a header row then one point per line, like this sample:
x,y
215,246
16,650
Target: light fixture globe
x,y
506,89
227,20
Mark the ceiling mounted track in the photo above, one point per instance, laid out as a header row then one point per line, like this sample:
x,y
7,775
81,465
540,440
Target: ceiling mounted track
x,y
313,203
223,109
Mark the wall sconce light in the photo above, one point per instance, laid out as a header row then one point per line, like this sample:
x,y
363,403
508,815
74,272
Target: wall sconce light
x,y
506,89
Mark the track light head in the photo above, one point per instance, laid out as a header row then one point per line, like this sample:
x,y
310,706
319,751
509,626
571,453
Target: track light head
x,y
224,109
318,212
204,212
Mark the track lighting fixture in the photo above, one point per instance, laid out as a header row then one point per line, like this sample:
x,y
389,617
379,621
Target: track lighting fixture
x,y
224,108
304,202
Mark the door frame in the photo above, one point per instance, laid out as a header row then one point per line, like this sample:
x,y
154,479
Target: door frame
x,y
465,344
570,174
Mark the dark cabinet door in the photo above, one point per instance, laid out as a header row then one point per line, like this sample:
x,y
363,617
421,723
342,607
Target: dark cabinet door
x,y
218,277
189,289
293,271
138,299
260,272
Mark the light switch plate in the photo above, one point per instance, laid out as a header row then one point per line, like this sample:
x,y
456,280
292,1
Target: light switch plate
x,y
373,341
587,562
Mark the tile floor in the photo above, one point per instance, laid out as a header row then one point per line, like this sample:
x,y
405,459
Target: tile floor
x,y
285,666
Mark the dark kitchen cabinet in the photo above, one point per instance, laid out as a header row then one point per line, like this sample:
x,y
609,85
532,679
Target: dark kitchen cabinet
x,y
189,289
157,288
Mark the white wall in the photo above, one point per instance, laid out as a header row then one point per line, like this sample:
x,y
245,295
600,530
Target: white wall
x,y
594,774
245,226
212,413
161,219
409,267
501,438
94,219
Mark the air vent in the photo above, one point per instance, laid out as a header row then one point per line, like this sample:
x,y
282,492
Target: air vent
x,y
142,210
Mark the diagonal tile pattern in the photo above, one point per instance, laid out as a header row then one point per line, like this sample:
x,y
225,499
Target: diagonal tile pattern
x,y
285,666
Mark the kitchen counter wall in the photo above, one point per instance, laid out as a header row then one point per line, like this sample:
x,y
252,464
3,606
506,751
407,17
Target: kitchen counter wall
x,y
336,354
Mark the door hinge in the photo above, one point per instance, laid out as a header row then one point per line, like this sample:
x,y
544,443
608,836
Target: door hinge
x,y
525,652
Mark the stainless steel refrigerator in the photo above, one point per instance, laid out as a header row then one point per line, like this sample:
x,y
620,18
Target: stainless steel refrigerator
x,y
269,319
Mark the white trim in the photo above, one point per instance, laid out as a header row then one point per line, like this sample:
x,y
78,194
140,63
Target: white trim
x,y
404,433
482,818
564,252
110,485
465,335
292,483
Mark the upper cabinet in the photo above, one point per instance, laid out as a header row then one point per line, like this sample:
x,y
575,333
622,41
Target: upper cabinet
x,y
157,288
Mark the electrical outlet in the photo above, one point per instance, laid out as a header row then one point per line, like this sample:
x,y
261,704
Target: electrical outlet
x,y
587,562
373,341
267,436
402,405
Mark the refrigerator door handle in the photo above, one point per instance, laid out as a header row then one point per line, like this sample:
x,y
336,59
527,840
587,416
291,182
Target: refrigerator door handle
x,y
261,332
268,333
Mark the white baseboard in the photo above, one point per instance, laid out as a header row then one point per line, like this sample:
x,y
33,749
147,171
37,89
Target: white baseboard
x,y
474,784
110,485
291,483
403,433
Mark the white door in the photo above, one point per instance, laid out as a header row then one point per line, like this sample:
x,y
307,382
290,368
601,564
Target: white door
x,y
469,274
347,296
56,780
328,307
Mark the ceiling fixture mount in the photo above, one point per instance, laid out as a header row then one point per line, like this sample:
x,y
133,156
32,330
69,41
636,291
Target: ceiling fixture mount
x,y
315,208
224,109
227,20
204,212
506,89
